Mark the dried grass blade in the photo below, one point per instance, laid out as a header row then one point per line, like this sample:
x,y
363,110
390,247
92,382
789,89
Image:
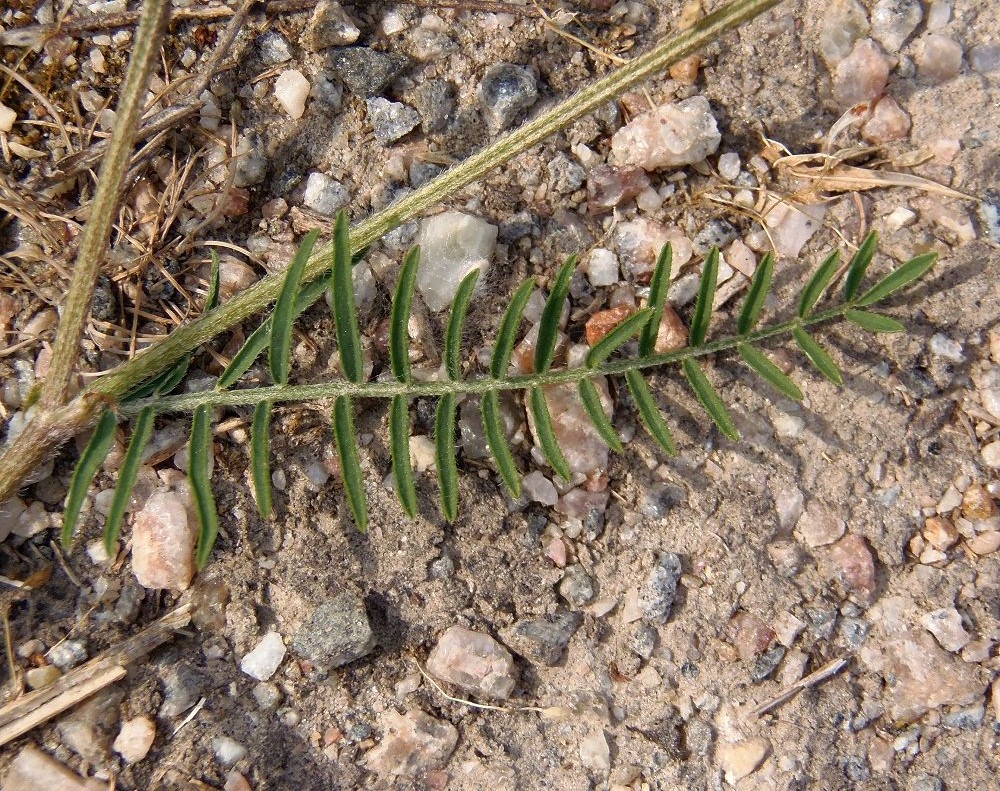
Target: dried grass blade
x,y
399,444
769,372
350,463
818,282
759,287
402,305
650,412
86,468
658,287
260,457
710,399
127,474
444,446
611,342
503,347
595,409
818,356
706,296
283,316
456,325
345,314
493,425
199,457
912,270
546,434
548,326
859,266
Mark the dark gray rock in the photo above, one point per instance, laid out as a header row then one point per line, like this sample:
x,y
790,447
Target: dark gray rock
x,y
435,101
337,633
543,641
764,665
182,687
505,93
656,597
644,639
366,71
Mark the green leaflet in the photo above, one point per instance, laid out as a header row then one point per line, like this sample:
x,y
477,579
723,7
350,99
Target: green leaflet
x,y
164,383
658,288
493,425
873,322
283,317
912,270
769,372
706,296
817,283
859,265
350,463
650,412
507,334
260,337
817,356
595,409
86,468
399,444
456,325
710,399
127,474
345,314
212,301
260,457
759,287
444,446
199,459
548,327
607,345
402,305
546,434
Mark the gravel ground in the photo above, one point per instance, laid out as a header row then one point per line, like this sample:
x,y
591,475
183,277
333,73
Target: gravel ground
x,y
636,640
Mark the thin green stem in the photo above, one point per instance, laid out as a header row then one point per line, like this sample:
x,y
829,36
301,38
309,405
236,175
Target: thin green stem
x,y
94,243
476,386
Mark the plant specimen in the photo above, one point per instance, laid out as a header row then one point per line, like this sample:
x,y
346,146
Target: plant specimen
x,y
602,360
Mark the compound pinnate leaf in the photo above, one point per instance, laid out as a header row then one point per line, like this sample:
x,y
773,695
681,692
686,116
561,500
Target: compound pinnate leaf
x,y
859,266
706,296
399,444
444,447
658,287
127,474
402,305
769,372
624,332
199,463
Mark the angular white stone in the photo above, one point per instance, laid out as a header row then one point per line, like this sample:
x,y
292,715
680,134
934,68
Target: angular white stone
x,y
324,194
291,89
791,226
134,739
265,658
413,743
594,751
671,136
601,267
742,758
7,118
452,244
163,543
946,626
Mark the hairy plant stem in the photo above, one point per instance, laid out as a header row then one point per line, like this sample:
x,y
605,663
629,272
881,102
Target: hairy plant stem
x,y
475,386
94,242
19,458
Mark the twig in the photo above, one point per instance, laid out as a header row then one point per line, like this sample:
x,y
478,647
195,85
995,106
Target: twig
x,y
94,243
21,715
825,672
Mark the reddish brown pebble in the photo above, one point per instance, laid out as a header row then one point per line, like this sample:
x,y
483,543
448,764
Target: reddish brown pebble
x,y
685,71
940,533
602,322
853,565
608,187
888,122
977,503
672,334
750,635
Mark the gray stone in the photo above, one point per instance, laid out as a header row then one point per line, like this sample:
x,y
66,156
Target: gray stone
x,y
89,729
391,120
764,665
366,71
182,687
965,719
656,597
854,631
337,633
329,26
565,175
544,640
505,92
576,586
644,639
893,22
435,101
716,233
67,654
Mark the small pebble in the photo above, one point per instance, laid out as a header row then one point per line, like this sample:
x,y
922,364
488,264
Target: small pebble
x,y
576,586
608,187
134,739
985,543
264,659
991,454
888,122
337,633
391,120
67,654
413,744
601,267
946,626
324,194
452,244
984,58
291,90
227,750
474,662
943,346
163,543
39,677
543,641
729,165
940,533
671,136
742,759
595,753
539,489
893,22
366,72
506,91
818,525
32,770
939,58
656,596
861,76
329,26
852,563
750,635
978,504
7,118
